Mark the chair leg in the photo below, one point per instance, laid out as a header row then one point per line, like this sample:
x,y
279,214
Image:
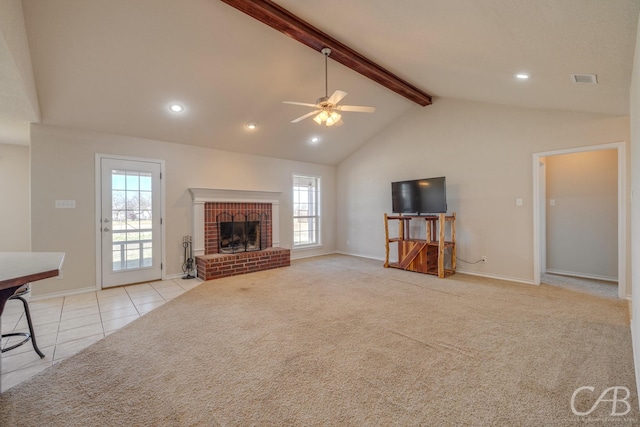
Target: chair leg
x,y
33,336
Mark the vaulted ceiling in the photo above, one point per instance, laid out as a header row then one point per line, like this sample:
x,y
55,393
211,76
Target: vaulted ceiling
x,y
115,66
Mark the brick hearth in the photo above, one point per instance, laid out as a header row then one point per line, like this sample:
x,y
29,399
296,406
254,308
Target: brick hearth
x,y
216,266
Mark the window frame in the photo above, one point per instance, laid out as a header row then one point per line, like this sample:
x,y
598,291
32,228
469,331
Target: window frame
x,y
317,204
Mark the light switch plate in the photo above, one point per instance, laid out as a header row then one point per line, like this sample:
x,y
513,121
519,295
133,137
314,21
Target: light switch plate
x,y
65,204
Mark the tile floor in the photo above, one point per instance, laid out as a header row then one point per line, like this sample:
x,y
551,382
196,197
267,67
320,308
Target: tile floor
x,y
64,326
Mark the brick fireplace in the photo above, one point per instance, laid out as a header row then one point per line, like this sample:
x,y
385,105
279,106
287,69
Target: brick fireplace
x,y
217,214
213,210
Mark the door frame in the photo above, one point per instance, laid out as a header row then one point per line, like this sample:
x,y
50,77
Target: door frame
x,y
539,251
98,211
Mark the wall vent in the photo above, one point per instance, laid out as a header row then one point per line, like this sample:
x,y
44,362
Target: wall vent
x,y
584,78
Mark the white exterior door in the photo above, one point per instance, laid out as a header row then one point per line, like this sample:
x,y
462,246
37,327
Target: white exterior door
x,y
130,221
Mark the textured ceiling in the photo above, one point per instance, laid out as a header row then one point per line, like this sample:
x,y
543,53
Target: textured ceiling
x,y
114,66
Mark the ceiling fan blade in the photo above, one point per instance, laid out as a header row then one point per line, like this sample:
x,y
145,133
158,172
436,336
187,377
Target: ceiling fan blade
x,y
299,103
336,97
299,119
356,108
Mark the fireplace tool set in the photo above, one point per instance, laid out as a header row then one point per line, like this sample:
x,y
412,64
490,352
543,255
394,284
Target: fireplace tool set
x,y
187,266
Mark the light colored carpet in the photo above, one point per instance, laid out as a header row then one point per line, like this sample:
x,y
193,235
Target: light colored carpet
x,y
341,341
591,286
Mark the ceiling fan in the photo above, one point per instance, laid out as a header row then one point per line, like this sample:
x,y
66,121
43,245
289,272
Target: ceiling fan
x,y
327,109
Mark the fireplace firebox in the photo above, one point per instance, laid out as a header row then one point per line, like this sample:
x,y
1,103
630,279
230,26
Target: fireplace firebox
x,y
241,232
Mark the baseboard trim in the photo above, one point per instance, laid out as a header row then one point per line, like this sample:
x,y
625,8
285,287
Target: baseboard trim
x,y
359,255
458,270
61,294
176,276
635,342
85,290
298,255
495,276
582,275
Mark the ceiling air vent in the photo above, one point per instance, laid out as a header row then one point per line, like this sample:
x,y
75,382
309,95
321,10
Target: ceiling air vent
x,y
584,78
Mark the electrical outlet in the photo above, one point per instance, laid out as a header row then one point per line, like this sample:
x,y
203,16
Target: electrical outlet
x,y
483,258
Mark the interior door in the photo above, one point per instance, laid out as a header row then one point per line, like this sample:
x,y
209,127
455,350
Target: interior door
x,y
130,222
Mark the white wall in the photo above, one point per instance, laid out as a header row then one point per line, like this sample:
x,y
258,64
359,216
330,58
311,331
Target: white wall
x,y
15,226
63,163
19,86
635,203
485,151
582,226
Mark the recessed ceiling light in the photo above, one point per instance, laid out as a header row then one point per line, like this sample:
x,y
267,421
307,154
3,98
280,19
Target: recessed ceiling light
x,y
252,125
176,108
315,140
522,76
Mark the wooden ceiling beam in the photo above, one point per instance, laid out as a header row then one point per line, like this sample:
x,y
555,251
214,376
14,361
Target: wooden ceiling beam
x,y
282,20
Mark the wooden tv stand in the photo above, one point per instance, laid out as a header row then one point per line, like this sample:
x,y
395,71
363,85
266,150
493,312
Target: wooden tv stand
x,y
433,254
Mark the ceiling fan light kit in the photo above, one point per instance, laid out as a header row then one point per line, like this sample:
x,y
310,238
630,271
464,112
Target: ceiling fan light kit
x,y
327,109
328,118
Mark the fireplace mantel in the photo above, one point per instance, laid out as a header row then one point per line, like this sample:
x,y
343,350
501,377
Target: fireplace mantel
x,y
200,196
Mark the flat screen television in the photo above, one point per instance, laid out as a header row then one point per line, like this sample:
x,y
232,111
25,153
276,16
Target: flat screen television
x,y
419,196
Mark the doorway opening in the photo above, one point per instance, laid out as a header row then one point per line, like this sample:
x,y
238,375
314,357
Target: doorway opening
x,y
541,202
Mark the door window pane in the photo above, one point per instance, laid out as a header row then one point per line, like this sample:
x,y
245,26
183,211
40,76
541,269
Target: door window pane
x,y
131,206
